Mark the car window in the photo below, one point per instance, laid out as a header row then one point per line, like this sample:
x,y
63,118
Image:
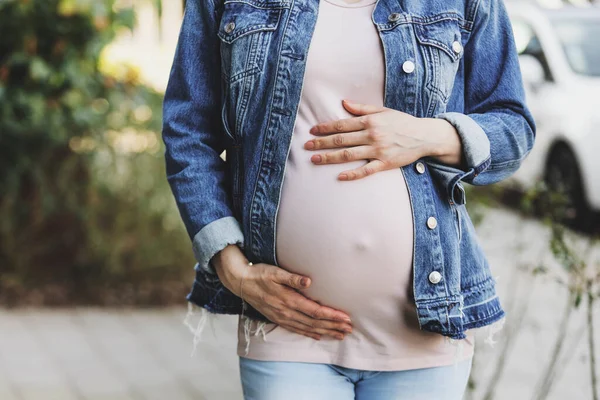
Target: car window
x,y
577,37
527,42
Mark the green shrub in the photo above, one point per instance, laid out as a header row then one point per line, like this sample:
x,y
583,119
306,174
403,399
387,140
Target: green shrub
x,y
86,213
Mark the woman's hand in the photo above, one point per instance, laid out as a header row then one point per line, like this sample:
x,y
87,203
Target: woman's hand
x,y
386,137
271,291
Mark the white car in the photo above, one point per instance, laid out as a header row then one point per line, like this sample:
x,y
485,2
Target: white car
x,y
560,61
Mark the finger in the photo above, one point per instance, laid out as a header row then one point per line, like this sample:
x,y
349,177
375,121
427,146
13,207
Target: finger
x,y
323,326
316,310
361,108
354,138
302,332
368,169
340,125
319,331
344,155
289,279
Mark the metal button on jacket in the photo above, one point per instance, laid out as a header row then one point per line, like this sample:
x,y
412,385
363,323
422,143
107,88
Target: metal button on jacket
x,y
394,17
408,67
230,27
431,222
435,277
457,47
420,167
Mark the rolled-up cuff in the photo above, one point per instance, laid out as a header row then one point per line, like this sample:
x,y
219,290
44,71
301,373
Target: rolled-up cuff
x,y
213,238
475,143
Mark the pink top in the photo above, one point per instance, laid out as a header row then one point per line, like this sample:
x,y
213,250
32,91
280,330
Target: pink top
x,y
353,238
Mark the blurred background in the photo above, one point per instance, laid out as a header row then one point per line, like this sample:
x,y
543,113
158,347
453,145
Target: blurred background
x,y
95,262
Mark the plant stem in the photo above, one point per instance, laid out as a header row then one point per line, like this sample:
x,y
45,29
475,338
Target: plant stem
x,y
590,324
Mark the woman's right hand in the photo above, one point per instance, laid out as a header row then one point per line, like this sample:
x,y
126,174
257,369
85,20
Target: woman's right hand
x,y
271,291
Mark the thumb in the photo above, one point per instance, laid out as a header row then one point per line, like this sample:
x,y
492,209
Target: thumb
x,y
293,280
361,109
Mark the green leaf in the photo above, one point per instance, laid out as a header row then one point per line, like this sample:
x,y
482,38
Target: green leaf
x,y
578,299
39,70
126,18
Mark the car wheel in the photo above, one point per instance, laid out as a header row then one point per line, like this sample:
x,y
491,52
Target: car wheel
x,y
563,180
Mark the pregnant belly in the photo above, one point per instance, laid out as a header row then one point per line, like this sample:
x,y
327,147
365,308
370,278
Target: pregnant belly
x,y
354,239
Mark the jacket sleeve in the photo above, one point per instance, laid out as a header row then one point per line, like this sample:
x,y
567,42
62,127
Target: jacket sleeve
x,y
193,137
497,130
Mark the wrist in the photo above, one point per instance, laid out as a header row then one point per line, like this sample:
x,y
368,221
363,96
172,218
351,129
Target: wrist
x,y
445,144
230,264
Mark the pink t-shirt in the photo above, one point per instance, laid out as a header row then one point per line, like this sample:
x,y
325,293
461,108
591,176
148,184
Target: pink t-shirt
x,y
353,238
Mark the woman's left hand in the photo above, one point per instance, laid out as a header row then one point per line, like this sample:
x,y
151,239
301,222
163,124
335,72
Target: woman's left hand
x,y
387,138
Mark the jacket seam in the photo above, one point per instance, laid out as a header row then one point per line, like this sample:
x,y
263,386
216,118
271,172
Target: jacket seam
x,y
483,166
478,287
481,303
462,23
262,4
475,9
470,18
509,163
483,321
265,139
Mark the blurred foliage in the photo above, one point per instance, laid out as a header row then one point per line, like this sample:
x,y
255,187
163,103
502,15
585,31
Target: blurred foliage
x,y
87,215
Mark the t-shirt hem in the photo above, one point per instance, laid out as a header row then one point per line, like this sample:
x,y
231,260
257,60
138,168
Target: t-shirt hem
x,y
364,363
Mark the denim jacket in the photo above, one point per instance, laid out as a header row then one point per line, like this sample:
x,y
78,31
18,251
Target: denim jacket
x,y
235,85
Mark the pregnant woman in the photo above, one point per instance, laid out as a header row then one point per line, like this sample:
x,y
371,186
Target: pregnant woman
x,y
336,227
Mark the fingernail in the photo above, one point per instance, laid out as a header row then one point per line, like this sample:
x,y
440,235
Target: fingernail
x,y
340,337
309,145
343,177
347,329
304,282
347,320
316,158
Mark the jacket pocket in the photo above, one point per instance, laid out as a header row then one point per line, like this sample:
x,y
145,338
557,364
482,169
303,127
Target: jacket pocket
x,y
441,46
245,31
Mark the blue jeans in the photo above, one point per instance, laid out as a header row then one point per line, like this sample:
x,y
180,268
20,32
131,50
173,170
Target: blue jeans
x,y
275,380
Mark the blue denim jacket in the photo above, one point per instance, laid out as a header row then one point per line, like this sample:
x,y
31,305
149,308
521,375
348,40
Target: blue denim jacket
x,y
235,85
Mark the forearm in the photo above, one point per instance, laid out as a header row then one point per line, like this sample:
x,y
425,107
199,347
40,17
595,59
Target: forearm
x,y
194,138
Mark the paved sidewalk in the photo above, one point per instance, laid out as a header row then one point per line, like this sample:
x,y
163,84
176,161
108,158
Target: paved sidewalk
x,y
94,354
113,354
